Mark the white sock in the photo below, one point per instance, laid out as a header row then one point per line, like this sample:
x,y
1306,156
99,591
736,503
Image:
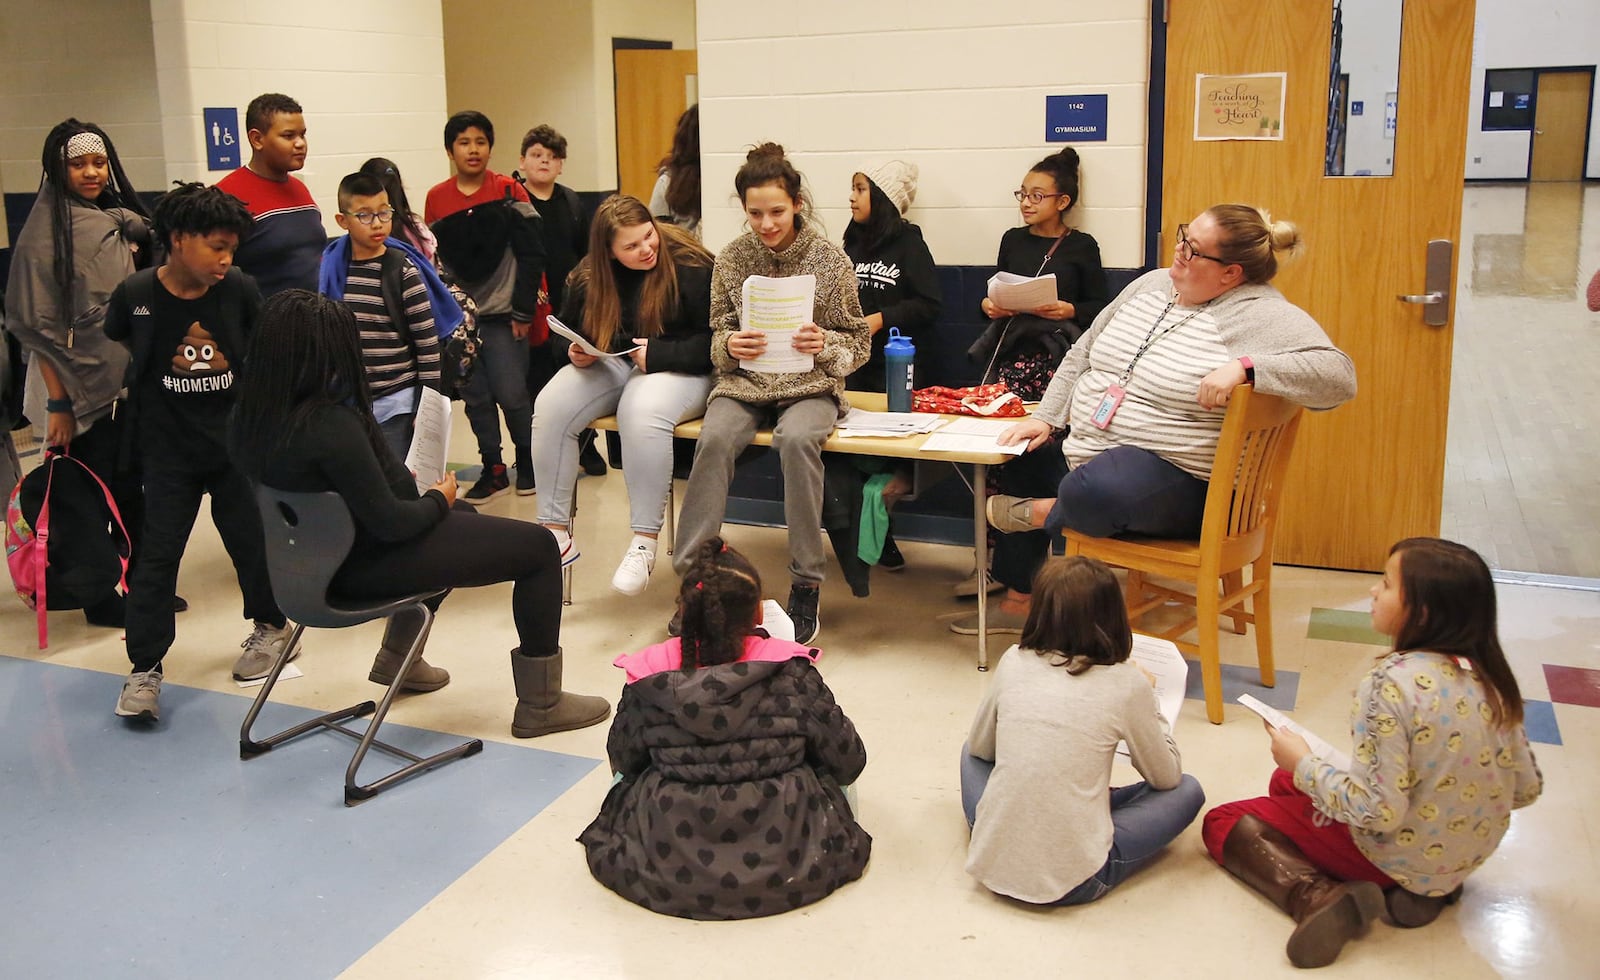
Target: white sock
x,y
639,540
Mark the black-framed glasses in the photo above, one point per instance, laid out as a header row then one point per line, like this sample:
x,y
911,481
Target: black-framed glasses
x,y
1037,197
368,217
1186,250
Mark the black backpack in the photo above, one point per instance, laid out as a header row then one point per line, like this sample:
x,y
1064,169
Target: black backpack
x,y
458,349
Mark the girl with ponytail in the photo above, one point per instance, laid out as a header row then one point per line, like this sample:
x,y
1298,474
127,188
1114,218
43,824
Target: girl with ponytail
x,y
731,755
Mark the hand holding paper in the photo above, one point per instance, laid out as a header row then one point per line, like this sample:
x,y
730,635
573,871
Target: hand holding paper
x,y
1014,292
562,329
781,309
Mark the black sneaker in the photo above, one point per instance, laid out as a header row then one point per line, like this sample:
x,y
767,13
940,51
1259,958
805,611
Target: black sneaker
x,y
803,610
588,456
490,485
525,473
891,560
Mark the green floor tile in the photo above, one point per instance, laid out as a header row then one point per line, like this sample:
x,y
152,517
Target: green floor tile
x,y
1344,625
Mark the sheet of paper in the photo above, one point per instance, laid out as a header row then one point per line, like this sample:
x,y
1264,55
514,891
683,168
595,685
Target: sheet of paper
x,y
289,673
430,439
860,422
778,307
973,435
557,326
1277,719
1161,658
1013,292
775,620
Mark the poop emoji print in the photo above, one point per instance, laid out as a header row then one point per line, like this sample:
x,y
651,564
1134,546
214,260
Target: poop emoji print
x,y
198,365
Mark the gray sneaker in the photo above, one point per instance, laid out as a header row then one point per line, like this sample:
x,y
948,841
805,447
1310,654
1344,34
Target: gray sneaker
x,y
141,696
261,648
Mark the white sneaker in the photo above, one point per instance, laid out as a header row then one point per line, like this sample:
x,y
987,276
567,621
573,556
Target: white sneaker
x,y
568,547
633,575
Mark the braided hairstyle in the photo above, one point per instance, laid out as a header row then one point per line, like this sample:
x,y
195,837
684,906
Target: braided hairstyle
x,y
720,597
304,355
118,193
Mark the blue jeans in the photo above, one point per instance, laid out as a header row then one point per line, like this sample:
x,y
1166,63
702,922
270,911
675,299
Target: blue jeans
x,y
1143,821
397,431
1129,491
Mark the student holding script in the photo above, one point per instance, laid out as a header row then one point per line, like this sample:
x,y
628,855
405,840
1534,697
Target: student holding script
x,y
640,298
760,380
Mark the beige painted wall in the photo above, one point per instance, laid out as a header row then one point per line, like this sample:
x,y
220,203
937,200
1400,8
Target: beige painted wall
x,y
93,59
523,65
955,87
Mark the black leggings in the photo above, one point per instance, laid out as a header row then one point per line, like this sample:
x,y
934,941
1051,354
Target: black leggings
x,y
464,550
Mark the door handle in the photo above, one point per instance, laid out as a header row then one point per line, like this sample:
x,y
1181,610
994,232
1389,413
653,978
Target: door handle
x,y
1538,132
1435,302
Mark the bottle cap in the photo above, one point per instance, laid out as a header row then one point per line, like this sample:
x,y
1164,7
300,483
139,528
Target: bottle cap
x,y
898,343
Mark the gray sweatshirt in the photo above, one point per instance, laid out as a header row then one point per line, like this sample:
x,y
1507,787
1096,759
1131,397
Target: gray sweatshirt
x,y
1292,355
1044,823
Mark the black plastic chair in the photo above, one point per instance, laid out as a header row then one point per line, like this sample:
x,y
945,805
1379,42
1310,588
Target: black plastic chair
x,y
308,536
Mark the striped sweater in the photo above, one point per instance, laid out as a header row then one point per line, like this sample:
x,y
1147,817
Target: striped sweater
x,y
284,248
394,362
1160,412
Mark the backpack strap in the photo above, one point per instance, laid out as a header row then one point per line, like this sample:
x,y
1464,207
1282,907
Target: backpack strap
x,y
41,553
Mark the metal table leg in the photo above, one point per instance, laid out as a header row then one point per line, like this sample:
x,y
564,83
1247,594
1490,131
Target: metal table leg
x,y
980,545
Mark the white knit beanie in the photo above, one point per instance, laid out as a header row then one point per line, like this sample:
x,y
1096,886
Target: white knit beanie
x,y
898,181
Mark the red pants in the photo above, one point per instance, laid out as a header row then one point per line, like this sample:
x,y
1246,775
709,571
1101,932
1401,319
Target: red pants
x,y
1325,843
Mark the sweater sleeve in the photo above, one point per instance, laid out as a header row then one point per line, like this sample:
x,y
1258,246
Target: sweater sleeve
x,y
1370,796
1293,357
1088,283
922,298
347,460
685,344
847,341
725,289
1530,781
419,321
1149,738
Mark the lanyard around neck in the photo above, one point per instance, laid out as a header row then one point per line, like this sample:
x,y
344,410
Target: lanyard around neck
x,y
1151,337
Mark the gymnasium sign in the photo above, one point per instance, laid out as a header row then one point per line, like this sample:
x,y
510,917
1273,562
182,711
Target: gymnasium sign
x,y
1074,119
1240,107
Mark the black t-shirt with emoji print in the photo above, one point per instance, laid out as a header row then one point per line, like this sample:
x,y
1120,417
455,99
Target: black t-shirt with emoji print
x,y
189,384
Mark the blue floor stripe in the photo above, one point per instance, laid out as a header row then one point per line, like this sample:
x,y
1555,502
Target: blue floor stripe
x,y
1237,680
158,852
1539,720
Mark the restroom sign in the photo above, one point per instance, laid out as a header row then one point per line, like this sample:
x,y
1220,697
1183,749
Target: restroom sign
x,y
220,130
1075,118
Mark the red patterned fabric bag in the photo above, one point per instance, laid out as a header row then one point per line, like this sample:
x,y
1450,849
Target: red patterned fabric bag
x,y
990,401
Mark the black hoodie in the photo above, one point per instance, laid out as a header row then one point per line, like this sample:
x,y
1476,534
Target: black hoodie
x,y
895,278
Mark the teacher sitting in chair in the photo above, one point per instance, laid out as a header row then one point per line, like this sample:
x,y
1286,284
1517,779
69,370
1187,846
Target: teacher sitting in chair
x,y
1146,388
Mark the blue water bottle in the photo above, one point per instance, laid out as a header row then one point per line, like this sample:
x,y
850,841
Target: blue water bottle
x,y
899,370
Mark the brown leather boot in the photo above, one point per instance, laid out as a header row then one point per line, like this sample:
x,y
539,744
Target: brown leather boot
x,y
398,634
1328,912
542,707
1409,910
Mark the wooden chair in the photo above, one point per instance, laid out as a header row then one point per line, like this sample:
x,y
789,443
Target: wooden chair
x,y
1240,517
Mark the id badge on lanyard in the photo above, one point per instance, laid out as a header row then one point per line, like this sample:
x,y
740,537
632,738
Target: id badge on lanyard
x,y
1107,409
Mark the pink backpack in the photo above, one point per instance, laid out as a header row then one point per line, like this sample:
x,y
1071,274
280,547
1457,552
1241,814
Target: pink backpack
x,y
28,546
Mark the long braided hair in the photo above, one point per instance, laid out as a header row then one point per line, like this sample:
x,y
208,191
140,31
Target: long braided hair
x,y
304,355
118,193
720,596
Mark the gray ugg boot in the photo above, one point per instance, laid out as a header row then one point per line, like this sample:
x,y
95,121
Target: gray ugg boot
x,y
397,636
542,707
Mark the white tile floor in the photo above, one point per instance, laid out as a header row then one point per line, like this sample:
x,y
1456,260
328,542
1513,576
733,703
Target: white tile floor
x,y
530,908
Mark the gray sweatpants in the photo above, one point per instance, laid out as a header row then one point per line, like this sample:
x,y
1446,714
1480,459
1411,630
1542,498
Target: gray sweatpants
x,y
730,425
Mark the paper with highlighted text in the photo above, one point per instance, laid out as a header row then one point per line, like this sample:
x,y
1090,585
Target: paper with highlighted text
x,y
778,307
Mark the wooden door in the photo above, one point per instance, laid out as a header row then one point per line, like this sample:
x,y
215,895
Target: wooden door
x,y
1372,471
654,86
1560,124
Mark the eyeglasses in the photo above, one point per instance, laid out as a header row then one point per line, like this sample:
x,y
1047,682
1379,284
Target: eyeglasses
x,y
368,217
1037,197
1188,254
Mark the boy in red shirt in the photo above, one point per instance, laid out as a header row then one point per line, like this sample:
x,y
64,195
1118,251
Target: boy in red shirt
x,y
490,239
284,248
